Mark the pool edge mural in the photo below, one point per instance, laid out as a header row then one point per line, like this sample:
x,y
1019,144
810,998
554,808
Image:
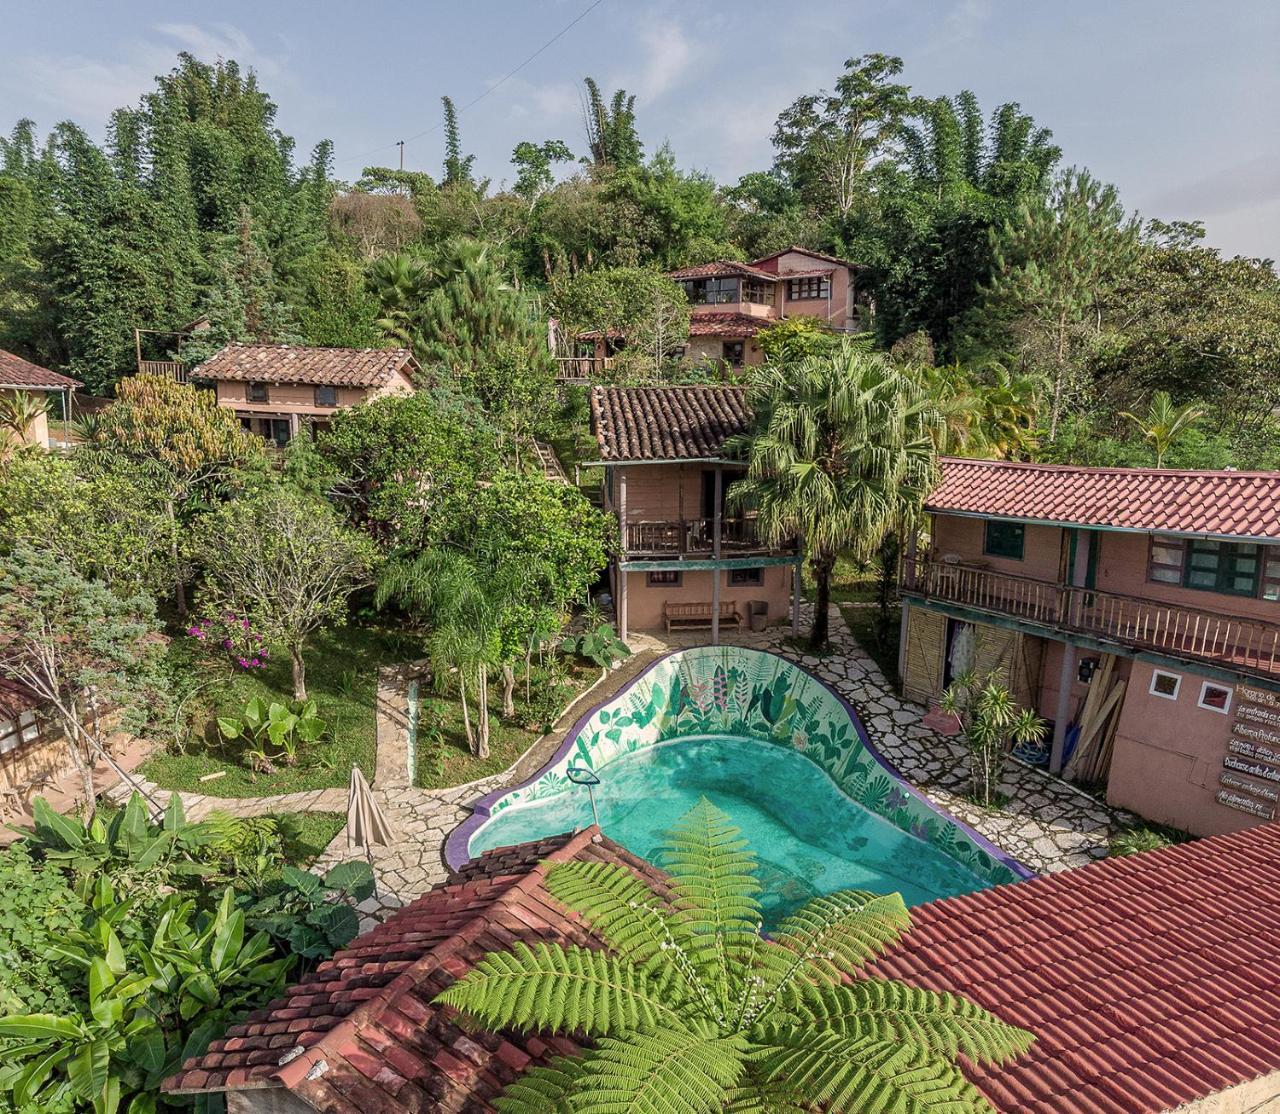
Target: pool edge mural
x,y
733,690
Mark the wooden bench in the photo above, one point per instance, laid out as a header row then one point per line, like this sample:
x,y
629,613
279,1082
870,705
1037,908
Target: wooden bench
x,y
697,616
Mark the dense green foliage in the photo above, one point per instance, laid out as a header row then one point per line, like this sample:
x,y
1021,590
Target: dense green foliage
x,y
691,1010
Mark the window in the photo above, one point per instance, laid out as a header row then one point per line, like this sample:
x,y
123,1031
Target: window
x,y
745,577
665,578
806,289
1004,539
1165,684
732,352
1271,572
1168,556
1230,567
711,291
326,396
1217,698
758,291
256,392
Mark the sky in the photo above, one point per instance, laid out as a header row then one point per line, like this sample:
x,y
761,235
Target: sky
x,y
1173,101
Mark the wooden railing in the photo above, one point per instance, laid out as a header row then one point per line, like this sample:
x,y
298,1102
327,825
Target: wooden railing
x,y
1248,644
171,369
579,369
697,535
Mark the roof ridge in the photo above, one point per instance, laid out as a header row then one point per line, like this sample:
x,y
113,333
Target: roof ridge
x,y
1109,469
295,1071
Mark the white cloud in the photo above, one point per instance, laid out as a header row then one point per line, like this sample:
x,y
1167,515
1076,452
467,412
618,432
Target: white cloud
x,y
668,59
87,90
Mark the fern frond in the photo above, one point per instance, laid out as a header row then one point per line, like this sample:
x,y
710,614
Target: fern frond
x,y
837,933
882,1010
617,903
714,886
660,1072
841,1075
566,990
542,1090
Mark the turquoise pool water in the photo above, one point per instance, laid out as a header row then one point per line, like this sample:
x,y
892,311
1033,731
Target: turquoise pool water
x,y
810,837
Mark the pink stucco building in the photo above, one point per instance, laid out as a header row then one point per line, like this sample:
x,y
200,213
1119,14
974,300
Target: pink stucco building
x,y
277,389
1138,610
687,556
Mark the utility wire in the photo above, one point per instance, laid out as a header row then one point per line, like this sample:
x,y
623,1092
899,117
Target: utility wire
x,y
501,81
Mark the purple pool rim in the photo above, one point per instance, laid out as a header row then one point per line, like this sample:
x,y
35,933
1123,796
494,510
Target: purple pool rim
x,y
456,854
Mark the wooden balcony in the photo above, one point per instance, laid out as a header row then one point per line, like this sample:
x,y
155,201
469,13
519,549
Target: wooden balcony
x,y
696,537
582,369
170,369
1251,645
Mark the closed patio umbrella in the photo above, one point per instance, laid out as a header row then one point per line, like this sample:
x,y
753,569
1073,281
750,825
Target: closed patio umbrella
x,y
366,825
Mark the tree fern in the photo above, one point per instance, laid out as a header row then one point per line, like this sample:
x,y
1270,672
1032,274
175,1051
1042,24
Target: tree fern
x,y
694,1011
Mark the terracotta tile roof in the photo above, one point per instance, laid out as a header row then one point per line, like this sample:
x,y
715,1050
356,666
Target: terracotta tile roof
x,y
722,267
666,423
1150,981
17,372
361,1033
16,698
1232,504
286,363
713,323
802,251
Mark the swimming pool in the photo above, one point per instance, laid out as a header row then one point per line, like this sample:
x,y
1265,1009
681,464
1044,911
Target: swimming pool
x,y
774,747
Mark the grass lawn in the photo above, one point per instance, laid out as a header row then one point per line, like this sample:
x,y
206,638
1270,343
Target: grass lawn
x,y
507,741
315,832
342,666
862,622
850,583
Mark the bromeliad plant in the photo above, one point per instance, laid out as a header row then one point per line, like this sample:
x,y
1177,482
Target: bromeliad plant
x,y
693,1010
993,724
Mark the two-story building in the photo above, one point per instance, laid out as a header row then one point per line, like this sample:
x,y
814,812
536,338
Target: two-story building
x,y
687,557
731,302
1138,610
277,389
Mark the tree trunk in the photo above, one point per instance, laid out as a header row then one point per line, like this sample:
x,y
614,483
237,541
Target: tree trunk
x,y
482,747
179,589
508,691
299,673
822,575
466,715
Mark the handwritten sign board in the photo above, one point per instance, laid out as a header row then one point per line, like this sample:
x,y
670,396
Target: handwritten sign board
x,y
1250,777
1234,781
1243,803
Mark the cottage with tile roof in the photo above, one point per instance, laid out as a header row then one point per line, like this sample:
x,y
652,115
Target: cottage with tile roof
x,y
275,389
688,556
1152,984
1137,609
19,376
731,302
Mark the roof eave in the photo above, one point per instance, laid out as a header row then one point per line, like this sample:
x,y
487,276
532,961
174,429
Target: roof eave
x,y
1070,525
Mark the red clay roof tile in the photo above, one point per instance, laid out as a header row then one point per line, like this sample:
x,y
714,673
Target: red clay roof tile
x,y
1223,503
23,374
287,363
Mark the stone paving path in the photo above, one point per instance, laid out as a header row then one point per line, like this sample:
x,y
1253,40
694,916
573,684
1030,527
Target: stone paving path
x,y
1045,822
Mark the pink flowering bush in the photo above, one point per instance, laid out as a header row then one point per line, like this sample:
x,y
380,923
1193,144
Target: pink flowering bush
x,y
234,634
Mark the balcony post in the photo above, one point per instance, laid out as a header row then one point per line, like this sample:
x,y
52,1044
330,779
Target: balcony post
x,y
715,553
621,602
1066,677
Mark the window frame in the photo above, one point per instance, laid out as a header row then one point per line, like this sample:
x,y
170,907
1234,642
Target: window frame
x,y
332,392
988,550
678,582
252,388
757,582
1156,674
741,348
1227,553
1205,687
758,292
798,289
714,290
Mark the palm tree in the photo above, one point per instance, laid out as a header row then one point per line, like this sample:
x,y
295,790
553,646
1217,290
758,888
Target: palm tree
x,y
20,411
401,283
692,1010
842,451
1164,423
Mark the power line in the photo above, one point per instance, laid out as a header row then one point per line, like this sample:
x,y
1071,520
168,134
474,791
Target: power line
x,y
501,81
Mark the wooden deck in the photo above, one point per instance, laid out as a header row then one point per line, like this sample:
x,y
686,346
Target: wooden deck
x,y
582,369
1246,644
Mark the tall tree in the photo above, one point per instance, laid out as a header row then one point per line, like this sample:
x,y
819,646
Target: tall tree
x,y
533,163
182,440
841,452
828,142
1053,266
457,166
611,128
1164,423
692,1009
